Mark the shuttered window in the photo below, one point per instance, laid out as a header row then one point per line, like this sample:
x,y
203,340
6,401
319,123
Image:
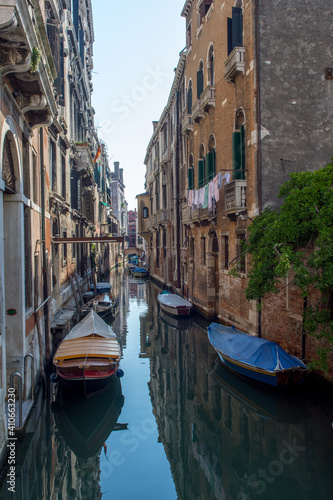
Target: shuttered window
x,y
235,29
190,176
199,83
201,173
189,101
238,154
210,169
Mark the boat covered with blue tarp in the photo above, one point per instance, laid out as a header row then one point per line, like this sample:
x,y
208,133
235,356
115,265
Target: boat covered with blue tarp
x,y
255,357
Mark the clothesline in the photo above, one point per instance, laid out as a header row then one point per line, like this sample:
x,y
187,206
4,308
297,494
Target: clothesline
x,y
203,197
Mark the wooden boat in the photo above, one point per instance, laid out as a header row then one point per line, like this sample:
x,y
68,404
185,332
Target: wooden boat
x,y
103,304
254,357
88,357
140,272
173,304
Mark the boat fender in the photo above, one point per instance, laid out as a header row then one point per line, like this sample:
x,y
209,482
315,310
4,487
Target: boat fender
x,y
233,326
120,373
54,378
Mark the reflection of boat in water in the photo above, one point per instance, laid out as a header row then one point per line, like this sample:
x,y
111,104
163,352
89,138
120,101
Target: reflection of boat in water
x,y
275,405
89,356
85,424
180,323
140,272
173,304
255,357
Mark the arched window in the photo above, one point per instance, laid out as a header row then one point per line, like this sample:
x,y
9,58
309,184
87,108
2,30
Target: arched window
x,y
238,146
145,212
200,77
189,98
211,65
8,175
201,167
210,159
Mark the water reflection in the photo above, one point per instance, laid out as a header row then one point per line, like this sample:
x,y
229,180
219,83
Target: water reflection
x,y
224,438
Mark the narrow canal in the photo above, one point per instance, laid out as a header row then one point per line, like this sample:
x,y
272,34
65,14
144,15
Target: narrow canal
x,y
176,426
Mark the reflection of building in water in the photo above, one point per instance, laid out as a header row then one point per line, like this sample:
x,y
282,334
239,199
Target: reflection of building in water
x,y
226,438
119,282
59,456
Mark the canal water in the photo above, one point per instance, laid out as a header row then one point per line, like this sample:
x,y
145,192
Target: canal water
x,y
176,426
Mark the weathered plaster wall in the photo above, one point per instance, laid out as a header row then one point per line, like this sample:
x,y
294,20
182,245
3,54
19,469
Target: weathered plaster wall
x,y
296,98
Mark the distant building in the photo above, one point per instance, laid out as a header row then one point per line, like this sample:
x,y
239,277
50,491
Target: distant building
x,y
132,228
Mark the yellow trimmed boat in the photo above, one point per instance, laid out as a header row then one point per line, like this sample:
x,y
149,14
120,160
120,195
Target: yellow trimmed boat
x,y
88,357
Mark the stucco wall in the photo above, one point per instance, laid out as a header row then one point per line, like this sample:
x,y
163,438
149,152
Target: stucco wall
x,y
296,98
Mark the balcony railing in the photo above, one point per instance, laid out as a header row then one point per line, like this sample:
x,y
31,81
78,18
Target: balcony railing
x,y
235,196
207,98
84,159
187,124
197,112
163,215
235,63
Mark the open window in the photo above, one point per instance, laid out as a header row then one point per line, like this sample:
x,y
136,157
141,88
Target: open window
x,y
210,160
203,8
211,65
200,77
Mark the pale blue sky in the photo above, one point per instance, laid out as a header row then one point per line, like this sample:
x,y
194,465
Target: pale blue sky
x,y
136,49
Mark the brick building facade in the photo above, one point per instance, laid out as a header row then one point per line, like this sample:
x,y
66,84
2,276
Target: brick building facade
x,y
253,105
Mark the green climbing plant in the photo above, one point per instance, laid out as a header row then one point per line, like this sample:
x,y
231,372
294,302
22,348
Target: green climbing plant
x,y
298,237
35,58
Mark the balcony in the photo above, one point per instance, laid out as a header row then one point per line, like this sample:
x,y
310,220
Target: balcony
x,y
165,156
203,214
26,61
186,213
207,98
235,196
197,112
235,63
187,124
83,158
163,215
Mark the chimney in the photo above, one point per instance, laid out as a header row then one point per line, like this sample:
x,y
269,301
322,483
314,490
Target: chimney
x,y
121,175
155,125
116,168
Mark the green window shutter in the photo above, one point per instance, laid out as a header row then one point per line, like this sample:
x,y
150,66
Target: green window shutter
x,y
210,159
190,178
236,155
201,173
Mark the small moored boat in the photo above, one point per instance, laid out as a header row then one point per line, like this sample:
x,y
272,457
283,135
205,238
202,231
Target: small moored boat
x,y
103,304
88,357
173,304
255,357
140,272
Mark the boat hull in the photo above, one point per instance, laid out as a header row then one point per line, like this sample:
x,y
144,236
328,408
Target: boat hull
x,y
274,379
176,311
86,380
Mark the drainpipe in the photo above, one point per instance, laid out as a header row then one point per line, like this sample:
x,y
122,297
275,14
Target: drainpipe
x,y
259,165
177,193
44,261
